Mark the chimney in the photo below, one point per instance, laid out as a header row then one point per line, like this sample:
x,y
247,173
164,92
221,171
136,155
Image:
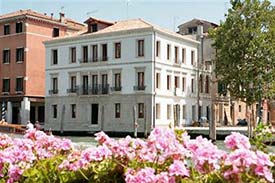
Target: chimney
x,y
51,15
62,17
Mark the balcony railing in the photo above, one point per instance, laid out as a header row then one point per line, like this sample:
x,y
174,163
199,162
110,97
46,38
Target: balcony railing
x,y
92,60
103,58
116,88
19,91
73,89
139,87
54,91
94,90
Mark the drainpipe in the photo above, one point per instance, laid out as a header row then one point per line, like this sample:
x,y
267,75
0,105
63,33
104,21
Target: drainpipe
x,y
199,64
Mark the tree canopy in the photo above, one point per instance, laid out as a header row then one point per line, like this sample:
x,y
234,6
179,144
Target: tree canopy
x,y
245,50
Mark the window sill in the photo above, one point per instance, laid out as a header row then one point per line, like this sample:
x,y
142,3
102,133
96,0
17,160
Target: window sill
x,y
19,62
5,93
6,63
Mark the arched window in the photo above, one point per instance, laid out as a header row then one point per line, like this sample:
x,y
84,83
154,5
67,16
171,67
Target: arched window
x,y
201,84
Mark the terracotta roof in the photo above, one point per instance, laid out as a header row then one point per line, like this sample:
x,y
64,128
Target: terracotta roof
x,y
200,21
138,24
129,25
69,22
98,20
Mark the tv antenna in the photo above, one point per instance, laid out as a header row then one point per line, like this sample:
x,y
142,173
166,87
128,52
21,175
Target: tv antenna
x,y
127,4
62,8
91,12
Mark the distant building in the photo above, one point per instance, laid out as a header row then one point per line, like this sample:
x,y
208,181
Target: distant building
x,y
119,76
225,110
22,68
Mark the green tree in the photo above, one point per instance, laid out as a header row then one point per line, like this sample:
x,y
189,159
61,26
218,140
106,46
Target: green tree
x,y
245,50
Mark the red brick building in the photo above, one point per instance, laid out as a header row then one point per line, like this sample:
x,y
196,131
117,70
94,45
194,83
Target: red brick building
x,y
22,56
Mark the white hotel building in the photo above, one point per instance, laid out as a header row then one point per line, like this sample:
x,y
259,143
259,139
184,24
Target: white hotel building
x,y
121,75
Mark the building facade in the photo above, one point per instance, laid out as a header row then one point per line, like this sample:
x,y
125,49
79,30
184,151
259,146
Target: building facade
x,y
22,64
225,109
120,77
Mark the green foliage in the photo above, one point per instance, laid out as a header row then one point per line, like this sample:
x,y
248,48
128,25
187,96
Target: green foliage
x,y
245,49
262,135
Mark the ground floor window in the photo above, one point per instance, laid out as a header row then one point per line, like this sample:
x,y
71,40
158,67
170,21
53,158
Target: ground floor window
x,y
73,110
141,110
54,111
117,110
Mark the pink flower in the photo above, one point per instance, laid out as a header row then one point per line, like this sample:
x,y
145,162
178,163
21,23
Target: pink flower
x,y
237,141
145,175
178,169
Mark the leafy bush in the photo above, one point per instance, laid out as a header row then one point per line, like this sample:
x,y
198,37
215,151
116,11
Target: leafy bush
x,y
165,156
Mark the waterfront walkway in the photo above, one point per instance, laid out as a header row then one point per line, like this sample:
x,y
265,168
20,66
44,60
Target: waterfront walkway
x,y
222,131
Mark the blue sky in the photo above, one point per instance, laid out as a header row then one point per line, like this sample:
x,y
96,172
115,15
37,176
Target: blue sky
x,y
166,13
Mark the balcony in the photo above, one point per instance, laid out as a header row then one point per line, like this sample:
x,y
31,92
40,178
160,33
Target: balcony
x,y
84,60
73,89
104,90
54,91
103,58
19,91
116,88
139,88
94,90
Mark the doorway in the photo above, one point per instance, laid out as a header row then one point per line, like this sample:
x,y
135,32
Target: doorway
x,y
15,115
94,117
32,114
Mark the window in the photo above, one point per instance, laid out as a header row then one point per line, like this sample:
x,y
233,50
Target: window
x,y
117,80
94,81
140,79
85,84
192,30
94,27
73,83
168,51
183,112
207,84
55,32
117,50
192,57
54,111
168,82
19,84
192,85
177,84
84,54
19,27
201,83
183,84
55,85
94,53
140,48
176,54
19,54
6,56
73,55
240,108
158,49
117,110
54,57
158,111
73,110
141,110
208,112
183,55
6,85
168,111
158,80
6,29
104,52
